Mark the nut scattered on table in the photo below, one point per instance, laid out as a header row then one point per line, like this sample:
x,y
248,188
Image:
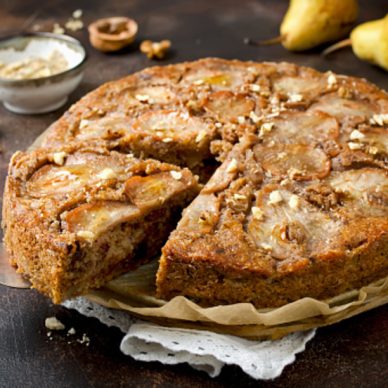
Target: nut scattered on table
x,y
112,34
155,49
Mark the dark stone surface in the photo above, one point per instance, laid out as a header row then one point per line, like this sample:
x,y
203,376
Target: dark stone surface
x,y
352,353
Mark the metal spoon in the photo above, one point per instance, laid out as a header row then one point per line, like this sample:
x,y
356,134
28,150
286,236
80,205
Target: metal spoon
x,y
8,275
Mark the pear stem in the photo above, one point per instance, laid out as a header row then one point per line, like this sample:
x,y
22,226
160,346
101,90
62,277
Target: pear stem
x,y
337,46
267,42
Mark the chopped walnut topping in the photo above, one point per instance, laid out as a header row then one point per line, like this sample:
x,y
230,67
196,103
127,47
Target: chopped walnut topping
x,y
86,234
254,88
344,92
294,201
379,119
239,196
254,117
232,166
294,172
205,219
198,82
176,175
241,119
295,97
107,173
373,150
142,97
331,80
59,158
257,213
275,197
275,100
218,125
83,123
265,128
356,135
266,246
355,146
282,155
201,135
167,140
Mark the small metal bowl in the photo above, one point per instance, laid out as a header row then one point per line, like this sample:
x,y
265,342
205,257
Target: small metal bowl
x,y
44,94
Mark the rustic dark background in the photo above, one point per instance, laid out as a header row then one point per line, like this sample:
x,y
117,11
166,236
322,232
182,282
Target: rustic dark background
x,y
352,353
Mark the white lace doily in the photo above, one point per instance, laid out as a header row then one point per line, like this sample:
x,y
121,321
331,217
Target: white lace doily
x,y
203,350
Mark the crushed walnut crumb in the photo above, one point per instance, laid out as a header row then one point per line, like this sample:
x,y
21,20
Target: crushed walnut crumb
x,y
52,323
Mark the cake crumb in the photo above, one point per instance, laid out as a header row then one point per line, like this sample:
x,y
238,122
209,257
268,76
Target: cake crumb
x,y
71,331
84,340
52,323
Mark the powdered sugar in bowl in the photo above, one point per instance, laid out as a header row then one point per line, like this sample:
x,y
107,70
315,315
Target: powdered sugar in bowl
x,y
38,71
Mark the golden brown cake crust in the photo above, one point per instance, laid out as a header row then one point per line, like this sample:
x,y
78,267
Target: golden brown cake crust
x,y
298,208
304,165
75,217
